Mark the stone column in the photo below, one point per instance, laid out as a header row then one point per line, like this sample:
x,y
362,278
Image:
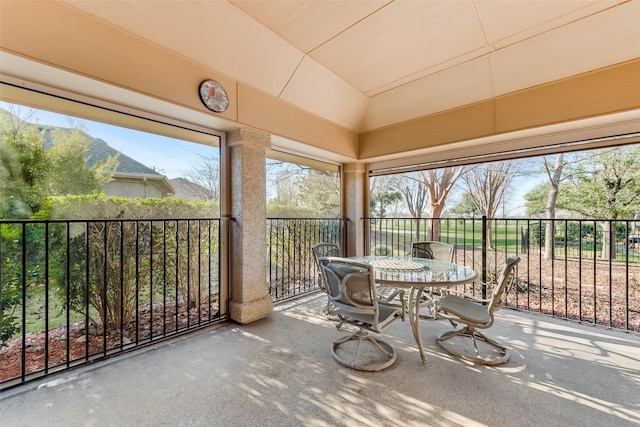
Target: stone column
x,y
248,281
356,201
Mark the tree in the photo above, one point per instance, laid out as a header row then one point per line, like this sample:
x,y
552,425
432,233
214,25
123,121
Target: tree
x,y
206,174
281,182
23,168
68,169
312,190
320,191
415,196
486,186
382,195
554,173
439,184
287,191
536,200
32,171
414,193
604,184
465,207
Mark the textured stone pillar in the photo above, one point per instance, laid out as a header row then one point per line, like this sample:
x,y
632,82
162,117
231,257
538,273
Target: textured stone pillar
x,y
356,199
249,298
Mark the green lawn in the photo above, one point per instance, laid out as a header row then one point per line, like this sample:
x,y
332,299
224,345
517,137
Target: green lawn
x,y
506,236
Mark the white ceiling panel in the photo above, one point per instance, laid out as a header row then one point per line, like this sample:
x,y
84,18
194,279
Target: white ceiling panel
x,y
461,85
509,28
212,33
321,92
503,19
409,57
569,50
310,23
453,62
401,39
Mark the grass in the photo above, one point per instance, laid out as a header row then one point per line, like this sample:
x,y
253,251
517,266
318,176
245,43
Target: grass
x,y
36,308
506,237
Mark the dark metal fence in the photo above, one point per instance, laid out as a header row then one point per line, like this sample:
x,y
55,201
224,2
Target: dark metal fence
x,y
589,271
291,268
72,292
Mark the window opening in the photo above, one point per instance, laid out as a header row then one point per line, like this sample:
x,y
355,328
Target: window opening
x,y
299,187
143,160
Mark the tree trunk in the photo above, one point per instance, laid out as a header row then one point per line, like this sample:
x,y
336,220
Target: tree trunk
x,y
605,252
549,232
435,211
608,250
490,234
550,209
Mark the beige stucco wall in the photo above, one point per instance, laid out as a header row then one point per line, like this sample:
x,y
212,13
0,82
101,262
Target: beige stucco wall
x,y
355,201
132,189
70,40
60,36
602,92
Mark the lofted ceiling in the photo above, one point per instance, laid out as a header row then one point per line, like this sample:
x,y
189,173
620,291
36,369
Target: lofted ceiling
x,y
365,65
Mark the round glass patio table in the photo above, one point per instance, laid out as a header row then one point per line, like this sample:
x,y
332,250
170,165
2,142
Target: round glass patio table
x,y
416,274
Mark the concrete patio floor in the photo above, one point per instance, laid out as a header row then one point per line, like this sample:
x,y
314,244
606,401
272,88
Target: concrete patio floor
x,y
278,372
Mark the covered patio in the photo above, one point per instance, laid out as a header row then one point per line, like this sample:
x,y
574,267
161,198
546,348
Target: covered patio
x,y
278,371
323,81
369,87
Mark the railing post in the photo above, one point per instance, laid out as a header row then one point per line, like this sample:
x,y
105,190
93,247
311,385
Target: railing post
x,y
343,235
484,257
366,236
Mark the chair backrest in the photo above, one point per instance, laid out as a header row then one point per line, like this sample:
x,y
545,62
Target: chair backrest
x,y
323,250
501,284
433,250
352,290
350,283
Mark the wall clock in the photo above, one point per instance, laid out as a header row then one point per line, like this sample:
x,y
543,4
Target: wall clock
x,y
213,96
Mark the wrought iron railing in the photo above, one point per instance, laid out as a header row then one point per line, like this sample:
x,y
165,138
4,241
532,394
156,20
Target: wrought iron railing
x,y
291,267
589,271
75,291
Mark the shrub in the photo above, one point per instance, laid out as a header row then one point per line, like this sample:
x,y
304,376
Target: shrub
x,y
381,250
111,263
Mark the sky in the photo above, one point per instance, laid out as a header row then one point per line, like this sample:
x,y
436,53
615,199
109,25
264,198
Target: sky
x,y
169,156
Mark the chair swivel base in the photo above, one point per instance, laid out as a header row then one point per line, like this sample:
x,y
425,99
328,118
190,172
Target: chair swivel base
x,y
359,362
502,354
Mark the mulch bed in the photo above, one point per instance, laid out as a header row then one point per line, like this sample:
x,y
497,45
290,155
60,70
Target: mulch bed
x,y
589,291
74,345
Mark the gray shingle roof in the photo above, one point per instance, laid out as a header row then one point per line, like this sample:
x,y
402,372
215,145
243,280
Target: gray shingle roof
x,y
99,150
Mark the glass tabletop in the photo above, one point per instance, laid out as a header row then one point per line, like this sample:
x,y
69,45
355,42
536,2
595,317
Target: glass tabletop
x,y
407,271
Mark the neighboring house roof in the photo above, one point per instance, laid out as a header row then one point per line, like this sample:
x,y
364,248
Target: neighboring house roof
x,y
99,150
185,189
128,168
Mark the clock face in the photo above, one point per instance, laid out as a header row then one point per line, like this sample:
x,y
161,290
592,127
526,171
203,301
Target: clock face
x,y
213,96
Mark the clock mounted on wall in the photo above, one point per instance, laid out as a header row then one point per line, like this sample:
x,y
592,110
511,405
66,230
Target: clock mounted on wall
x,y
213,96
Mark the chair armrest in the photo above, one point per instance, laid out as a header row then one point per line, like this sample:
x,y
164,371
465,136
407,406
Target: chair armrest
x,y
469,297
466,295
